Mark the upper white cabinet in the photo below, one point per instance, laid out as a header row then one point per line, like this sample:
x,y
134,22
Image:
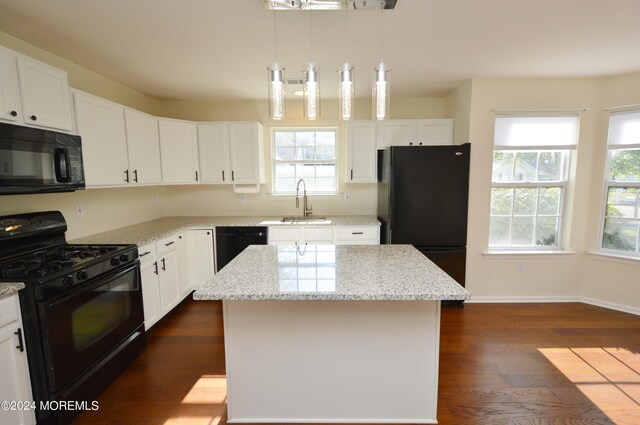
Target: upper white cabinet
x,y
33,93
213,143
415,132
178,151
10,105
100,123
143,147
231,153
361,152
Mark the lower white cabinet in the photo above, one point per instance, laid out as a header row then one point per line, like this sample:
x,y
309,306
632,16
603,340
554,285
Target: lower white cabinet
x,y
150,293
168,281
195,258
357,235
317,235
14,370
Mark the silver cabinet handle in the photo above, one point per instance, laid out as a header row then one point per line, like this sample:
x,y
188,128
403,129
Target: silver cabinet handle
x,y
144,253
357,233
170,243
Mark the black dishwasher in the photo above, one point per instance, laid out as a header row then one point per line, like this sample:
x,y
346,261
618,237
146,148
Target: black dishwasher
x,y
232,240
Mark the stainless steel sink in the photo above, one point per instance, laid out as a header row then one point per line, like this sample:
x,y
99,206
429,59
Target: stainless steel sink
x,y
313,219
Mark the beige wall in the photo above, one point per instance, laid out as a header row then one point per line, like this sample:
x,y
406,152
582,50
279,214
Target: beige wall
x,y
105,209
220,200
496,276
609,281
458,107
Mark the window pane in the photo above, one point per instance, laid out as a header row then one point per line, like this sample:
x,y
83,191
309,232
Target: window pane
x,y
325,170
305,170
502,166
501,201
285,184
284,138
326,153
325,138
525,202
286,153
547,231
305,138
549,201
307,153
623,202
550,166
326,185
499,231
620,234
522,231
285,170
624,165
525,168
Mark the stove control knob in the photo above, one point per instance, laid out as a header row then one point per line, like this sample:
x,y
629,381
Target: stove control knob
x,y
68,280
82,275
115,261
124,258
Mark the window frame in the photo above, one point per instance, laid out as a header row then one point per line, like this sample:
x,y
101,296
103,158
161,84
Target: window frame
x,y
608,184
275,161
563,184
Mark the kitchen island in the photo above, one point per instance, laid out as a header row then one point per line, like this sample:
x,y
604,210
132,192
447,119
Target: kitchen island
x,y
326,333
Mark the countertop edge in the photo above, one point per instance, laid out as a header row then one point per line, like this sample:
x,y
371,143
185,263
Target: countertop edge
x,y
319,297
10,288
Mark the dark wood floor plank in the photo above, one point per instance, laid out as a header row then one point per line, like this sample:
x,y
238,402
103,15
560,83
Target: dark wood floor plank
x,y
495,368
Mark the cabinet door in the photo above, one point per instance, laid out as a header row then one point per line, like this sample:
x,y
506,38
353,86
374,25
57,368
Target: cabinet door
x,y
245,141
201,268
396,133
143,146
45,95
104,145
168,277
150,293
178,151
10,109
213,144
435,132
361,152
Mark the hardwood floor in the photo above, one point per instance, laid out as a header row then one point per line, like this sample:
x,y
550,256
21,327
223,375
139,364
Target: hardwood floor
x,y
517,364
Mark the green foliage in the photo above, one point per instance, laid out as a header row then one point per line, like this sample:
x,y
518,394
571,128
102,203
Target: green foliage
x,y
625,165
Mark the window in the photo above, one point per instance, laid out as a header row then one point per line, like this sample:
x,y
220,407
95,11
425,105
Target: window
x,y
308,154
529,179
621,228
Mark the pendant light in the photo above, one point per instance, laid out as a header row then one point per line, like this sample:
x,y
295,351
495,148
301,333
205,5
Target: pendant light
x,y
275,74
380,96
346,84
311,83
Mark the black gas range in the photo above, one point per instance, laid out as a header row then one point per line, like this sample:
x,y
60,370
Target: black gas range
x,y
81,308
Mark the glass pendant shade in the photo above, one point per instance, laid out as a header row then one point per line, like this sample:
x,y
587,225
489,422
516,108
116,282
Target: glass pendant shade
x,y
381,92
276,91
311,92
346,94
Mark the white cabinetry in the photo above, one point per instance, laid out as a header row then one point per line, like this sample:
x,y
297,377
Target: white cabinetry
x,y
415,132
361,152
143,147
33,93
231,153
338,235
14,370
100,123
200,259
150,291
178,151
357,235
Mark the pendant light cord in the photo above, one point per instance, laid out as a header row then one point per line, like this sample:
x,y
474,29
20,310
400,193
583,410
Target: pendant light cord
x,y
381,32
346,32
310,39
275,34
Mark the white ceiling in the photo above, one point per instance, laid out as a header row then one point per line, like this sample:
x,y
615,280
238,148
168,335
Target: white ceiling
x,y
200,49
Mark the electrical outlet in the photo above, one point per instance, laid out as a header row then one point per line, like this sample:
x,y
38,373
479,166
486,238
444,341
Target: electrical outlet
x,y
79,210
520,266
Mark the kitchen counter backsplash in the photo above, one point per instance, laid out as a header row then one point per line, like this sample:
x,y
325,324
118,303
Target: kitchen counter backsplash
x,y
150,231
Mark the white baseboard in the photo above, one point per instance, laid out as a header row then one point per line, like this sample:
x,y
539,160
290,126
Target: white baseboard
x,y
612,306
518,299
557,299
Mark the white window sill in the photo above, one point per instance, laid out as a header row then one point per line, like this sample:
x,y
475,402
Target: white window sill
x,y
499,255
616,258
289,197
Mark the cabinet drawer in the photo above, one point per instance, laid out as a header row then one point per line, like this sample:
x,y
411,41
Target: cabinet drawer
x,y
317,234
147,252
284,234
8,310
167,244
356,233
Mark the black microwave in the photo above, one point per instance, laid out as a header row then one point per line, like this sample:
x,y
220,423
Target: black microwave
x,y
39,161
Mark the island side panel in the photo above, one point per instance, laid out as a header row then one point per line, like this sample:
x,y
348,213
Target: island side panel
x,y
332,361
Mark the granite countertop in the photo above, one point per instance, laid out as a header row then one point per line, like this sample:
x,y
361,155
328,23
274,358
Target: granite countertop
x,y
329,272
144,233
9,288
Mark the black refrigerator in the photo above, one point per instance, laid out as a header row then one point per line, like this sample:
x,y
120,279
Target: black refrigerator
x,y
423,196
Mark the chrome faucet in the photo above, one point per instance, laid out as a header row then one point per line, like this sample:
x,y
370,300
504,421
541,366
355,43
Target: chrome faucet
x,y
305,212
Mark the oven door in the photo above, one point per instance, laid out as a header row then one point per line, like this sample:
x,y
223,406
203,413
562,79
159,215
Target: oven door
x,y
84,325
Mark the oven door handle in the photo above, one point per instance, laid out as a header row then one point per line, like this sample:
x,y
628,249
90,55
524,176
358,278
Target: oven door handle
x,y
96,284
